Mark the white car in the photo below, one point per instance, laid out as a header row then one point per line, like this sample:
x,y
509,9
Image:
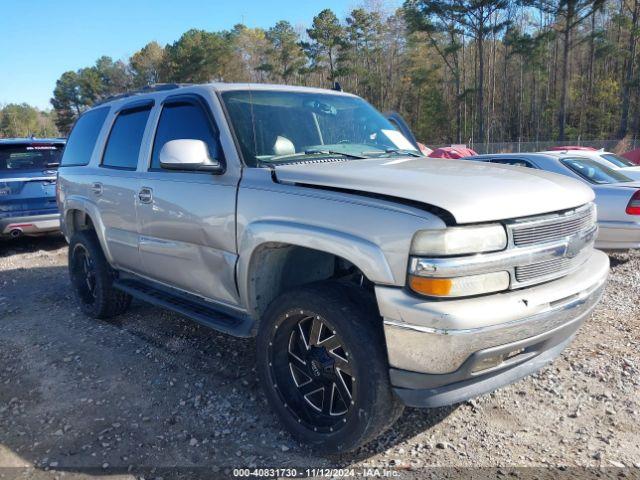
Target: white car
x,y
617,195
608,159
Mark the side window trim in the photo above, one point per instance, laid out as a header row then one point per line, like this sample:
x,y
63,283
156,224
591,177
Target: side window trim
x,y
198,101
131,107
146,103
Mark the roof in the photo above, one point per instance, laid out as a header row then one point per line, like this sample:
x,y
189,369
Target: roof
x,y
550,153
153,90
222,87
516,155
20,141
569,151
573,147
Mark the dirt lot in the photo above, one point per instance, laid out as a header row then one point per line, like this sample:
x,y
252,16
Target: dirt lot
x,y
155,390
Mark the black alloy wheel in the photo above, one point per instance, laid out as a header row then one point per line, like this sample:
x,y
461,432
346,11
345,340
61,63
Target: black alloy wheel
x,y
311,365
323,366
92,278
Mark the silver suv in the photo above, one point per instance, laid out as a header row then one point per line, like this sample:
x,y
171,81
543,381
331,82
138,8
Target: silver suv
x,y
372,277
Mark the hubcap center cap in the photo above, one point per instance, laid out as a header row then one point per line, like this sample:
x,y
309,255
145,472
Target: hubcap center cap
x,y
316,368
320,363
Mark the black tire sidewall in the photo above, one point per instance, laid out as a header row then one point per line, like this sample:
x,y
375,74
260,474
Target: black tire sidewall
x,y
103,274
366,347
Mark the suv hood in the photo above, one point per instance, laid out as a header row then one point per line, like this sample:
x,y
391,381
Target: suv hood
x,y
470,191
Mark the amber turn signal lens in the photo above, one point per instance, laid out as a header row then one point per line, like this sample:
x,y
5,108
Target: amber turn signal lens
x,y
430,286
460,286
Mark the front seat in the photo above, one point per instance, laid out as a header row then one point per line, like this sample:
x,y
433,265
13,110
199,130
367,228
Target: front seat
x,y
283,146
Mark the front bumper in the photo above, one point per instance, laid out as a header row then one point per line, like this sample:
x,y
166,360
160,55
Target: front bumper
x,y
30,224
443,352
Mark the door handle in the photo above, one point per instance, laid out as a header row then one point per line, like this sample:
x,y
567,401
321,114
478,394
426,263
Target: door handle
x,y
145,195
96,188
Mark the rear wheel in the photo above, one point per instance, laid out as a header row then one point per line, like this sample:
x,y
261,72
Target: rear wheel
x,y
92,278
323,367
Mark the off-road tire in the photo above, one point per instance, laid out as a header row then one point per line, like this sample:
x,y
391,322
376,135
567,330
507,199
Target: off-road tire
x,y
358,325
102,301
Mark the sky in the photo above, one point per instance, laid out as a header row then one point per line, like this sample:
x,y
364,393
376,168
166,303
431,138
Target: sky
x,y
41,39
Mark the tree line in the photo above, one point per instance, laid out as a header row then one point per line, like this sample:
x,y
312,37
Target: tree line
x,y
22,120
459,71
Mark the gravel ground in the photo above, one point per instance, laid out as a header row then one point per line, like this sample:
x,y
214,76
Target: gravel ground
x,y
153,389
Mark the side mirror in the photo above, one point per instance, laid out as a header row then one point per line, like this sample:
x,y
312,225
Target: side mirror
x,y
188,154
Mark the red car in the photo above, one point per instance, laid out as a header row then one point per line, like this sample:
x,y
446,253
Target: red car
x,y
633,155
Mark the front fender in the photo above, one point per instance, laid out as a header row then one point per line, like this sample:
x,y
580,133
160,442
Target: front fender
x,y
364,254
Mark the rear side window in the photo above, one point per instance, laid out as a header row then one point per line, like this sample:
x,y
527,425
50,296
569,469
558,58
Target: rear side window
x,y
617,160
83,138
594,172
31,156
516,162
125,139
184,120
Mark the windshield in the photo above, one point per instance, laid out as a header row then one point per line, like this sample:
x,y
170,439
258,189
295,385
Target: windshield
x,y
279,126
29,156
617,160
594,172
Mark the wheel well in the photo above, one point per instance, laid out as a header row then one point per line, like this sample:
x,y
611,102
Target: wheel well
x,y
278,267
78,220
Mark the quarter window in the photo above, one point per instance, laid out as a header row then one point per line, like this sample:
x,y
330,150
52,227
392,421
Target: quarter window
x,y
83,138
182,120
125,139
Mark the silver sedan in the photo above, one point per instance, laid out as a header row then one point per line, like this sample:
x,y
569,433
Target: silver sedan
x,y
608,159
617,195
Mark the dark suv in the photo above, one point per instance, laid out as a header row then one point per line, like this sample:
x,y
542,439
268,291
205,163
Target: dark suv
x,y
28,170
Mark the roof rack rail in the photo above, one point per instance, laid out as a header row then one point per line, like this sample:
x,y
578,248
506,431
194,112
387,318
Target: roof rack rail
x,y
156,87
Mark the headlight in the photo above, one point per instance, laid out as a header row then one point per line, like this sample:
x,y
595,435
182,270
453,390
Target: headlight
x,y
460,286
459,240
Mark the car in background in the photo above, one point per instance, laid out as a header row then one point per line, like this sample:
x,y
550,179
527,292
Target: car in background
x,y
608,159
572,147
454,152
617,195
633,156
28,171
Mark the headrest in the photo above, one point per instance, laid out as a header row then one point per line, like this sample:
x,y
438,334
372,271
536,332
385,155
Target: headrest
x,y
283,146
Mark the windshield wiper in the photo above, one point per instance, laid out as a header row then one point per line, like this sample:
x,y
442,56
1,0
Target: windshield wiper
x,y
333,152
399,151
403,151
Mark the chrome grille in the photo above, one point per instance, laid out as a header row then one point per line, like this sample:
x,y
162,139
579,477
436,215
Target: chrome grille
x,y
543,269
553,228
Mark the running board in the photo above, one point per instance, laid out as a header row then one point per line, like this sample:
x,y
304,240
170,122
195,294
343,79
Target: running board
x,y
188,305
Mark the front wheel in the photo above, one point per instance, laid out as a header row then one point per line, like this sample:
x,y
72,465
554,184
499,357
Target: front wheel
x,y
323,367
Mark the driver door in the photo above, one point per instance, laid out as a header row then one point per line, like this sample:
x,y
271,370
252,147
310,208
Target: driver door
x,y
187,218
